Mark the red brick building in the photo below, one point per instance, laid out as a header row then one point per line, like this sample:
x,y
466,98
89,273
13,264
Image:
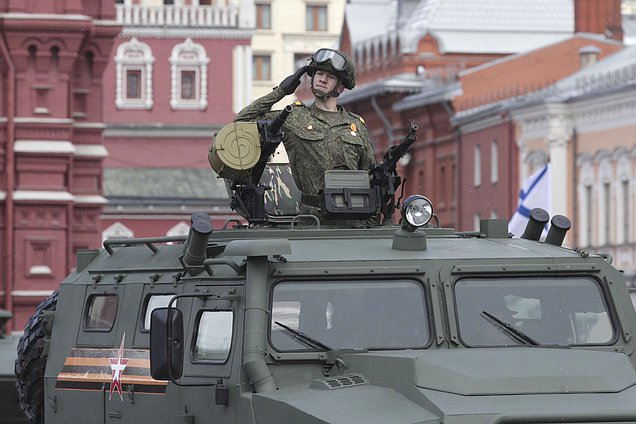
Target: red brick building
x,y
176,75
52,57
489,164
117,101
107,110
413,62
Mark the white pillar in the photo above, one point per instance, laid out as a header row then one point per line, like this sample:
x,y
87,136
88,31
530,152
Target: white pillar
x,y
559,135
559,176
242,82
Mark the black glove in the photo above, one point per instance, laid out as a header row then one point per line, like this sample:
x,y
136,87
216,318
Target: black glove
x,y
291,83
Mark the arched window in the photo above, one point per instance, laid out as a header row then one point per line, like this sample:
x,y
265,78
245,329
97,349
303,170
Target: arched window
x,y
189,76
134,75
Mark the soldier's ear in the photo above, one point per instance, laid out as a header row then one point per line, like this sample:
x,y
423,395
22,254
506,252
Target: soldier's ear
x,y
340,88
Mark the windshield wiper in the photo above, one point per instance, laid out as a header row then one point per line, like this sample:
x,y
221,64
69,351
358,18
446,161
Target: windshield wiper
x,y
510,331
302,338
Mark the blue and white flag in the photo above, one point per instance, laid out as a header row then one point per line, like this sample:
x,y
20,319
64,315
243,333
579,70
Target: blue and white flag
x,y
535,193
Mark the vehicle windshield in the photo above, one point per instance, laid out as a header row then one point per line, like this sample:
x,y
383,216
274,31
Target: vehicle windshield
x,y
532,311
349,315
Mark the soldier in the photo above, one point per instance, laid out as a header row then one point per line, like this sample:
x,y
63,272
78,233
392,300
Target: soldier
x,y
323,136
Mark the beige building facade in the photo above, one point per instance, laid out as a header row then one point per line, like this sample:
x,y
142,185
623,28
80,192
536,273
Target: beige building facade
x,y
287,32
587,132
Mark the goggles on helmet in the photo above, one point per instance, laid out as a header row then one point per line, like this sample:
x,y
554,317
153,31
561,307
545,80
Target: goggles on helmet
x,y
337,60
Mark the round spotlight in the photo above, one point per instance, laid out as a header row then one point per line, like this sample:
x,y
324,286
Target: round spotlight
x,y
417,211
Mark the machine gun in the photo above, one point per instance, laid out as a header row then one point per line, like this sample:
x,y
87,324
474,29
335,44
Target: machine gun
x,y
239,154
384,177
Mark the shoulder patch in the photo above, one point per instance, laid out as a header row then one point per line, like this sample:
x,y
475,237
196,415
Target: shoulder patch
x,y
358,117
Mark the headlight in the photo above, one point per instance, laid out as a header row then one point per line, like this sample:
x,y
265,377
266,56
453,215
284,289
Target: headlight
x,y
417,211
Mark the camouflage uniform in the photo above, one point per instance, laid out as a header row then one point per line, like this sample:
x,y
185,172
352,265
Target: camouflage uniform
x,y
314,144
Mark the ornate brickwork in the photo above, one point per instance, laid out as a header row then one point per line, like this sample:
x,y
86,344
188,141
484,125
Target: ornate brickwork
x,y
52,56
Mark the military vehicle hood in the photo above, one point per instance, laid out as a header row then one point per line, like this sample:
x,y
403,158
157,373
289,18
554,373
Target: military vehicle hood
x,y
426,386
499,371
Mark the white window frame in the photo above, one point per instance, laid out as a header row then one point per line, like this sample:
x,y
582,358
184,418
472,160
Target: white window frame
x,y
189,56
134,55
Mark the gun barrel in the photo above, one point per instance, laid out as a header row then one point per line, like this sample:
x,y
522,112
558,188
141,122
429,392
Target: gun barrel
x,y
278,122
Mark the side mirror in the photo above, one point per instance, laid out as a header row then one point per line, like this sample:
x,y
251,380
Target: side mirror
x,y
166,344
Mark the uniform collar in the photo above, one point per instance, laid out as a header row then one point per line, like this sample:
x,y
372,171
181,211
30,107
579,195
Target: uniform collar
x,y
342,116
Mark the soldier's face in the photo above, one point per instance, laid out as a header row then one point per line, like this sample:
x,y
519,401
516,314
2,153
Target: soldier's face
x,y
324,81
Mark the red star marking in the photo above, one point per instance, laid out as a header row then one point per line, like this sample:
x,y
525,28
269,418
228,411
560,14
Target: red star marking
x,y
117,366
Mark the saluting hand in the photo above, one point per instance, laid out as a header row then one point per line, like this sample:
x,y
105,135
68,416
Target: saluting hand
x,y
291,83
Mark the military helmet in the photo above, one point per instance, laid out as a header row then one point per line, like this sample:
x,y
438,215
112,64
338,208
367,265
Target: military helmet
x,y
334,62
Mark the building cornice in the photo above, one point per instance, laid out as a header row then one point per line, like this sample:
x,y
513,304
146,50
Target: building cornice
x,y
427,97
605,111
31,293
44,146
481,124
590,113
31,120
90,200
194,33
89,125
60,147
91,150
58,196
107,23
41,195
140,131
540,120
396,84
310,37
45,16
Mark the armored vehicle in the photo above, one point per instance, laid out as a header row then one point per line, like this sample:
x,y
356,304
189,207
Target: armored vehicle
x,y
9,405
302,322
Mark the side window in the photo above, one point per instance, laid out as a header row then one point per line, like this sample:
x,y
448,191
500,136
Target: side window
x,y
101,311
214,336
154,302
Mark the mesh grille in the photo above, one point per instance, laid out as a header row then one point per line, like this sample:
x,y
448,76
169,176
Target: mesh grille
x,y
339,382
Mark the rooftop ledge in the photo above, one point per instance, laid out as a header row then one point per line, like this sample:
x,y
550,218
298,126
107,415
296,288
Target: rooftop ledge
x,y
178,16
